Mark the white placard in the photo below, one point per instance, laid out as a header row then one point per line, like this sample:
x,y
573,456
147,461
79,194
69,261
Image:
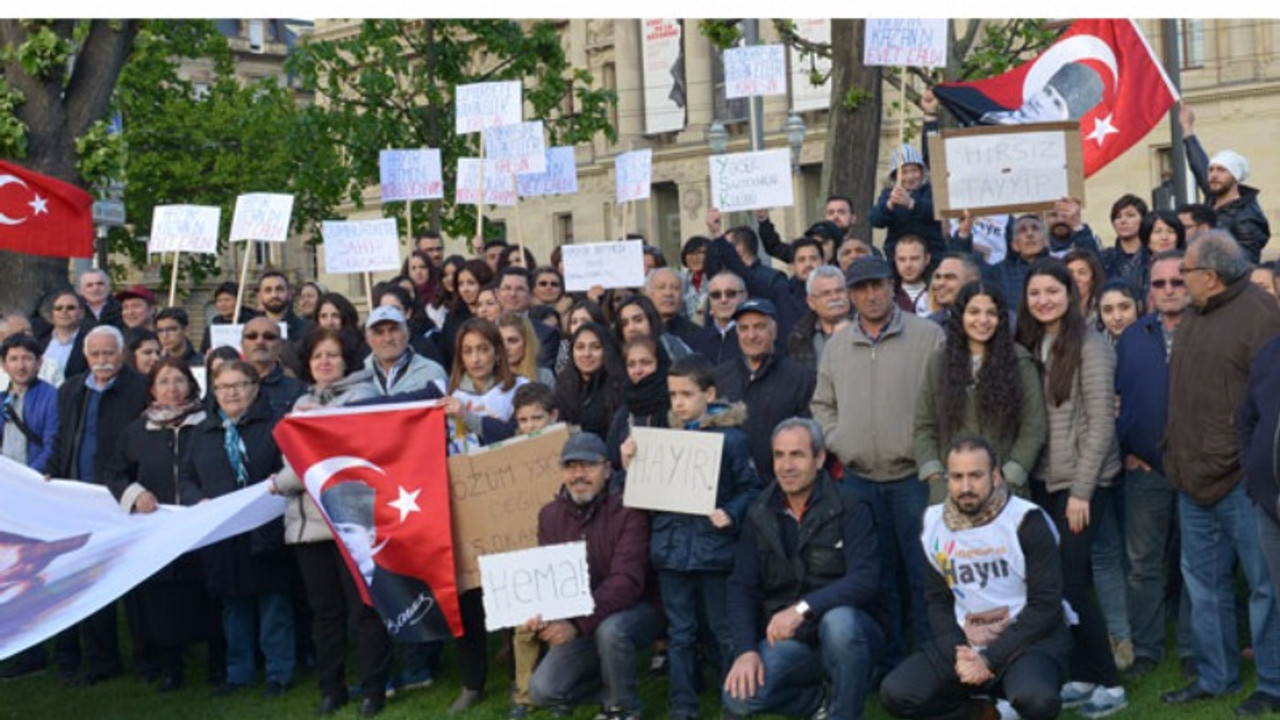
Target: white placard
x,y
516,148
674,471
232,336
201,374
905,42
560,178
607,264
484,105
633,175
988,233
1006,169
662,67
356,246
410,174
551,581
751,181
185,228
499,187
262,216
755,70
805,95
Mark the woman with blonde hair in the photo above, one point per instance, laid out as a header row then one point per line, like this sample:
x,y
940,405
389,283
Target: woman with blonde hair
x,y
522,348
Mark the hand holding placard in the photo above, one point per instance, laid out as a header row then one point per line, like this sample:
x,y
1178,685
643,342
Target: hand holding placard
x,y
551,581
674,471
749,181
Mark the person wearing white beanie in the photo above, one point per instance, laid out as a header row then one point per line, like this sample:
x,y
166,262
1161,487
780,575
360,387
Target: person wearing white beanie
x,y
1221,178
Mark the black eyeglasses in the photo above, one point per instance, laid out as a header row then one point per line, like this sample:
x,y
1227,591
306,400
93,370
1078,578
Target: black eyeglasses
x,y
1171,282
265,336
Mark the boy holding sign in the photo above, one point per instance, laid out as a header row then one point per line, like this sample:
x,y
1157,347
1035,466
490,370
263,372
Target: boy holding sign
x,y
694,554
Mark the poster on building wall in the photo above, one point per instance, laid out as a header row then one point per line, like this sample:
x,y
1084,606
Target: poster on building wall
x,y
662,68
804,94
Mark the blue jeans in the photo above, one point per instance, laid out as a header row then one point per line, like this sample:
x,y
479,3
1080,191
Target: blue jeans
x,y
572,673
686,597
1212,539
794,672
898,506
1108,564
275,636
1150,521
1269,538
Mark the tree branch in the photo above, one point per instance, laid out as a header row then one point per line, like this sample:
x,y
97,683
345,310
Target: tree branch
x,y
97,69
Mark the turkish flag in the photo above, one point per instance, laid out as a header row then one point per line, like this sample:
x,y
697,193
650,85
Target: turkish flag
x,y
1100,72
380,477
40,215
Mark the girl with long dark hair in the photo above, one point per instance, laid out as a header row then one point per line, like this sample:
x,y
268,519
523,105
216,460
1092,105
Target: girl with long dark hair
x,y
589,391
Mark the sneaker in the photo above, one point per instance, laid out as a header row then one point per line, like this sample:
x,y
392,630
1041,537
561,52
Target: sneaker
x,y
617,713
519,711
1105,701
1075,694
1122,653
466,700
405,681
1006,710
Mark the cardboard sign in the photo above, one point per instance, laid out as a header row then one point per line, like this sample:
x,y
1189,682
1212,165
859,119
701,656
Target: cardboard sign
x,y
1006,169
496,492
551,581
262,216
560,177
607,264
674,471
185,228
909,42
517,148
499,187
232,336
755,70
357,246
632,175
805,95
751,181
484,105
410,174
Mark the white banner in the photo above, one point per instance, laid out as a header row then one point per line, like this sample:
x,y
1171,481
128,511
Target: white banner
x,y
516,148
356,246
410,174
185,228
662,65
632,175
909,42
674,471
751,181
1007,169
804,94
499,187
989,239
67,549
607,264
262,216
551,581
484,105
560,178
755,70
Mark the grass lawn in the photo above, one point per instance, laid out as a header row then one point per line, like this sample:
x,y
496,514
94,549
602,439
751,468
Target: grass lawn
x,y
41,696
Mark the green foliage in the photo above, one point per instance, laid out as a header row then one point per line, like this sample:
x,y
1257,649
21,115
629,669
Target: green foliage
x,y
1005,44
856,97
390,85
13,133
722,33
44,52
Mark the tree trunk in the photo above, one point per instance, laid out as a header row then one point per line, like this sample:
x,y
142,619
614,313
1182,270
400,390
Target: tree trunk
x,y
853,136
56,111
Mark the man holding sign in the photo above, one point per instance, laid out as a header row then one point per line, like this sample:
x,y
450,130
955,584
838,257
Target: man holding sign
x,y
600,648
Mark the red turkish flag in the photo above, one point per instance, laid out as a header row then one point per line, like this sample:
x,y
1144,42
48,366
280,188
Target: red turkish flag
x,y
40,215
380,477
1100,72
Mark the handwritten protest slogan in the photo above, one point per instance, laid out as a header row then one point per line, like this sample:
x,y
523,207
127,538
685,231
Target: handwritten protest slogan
x,y
410,174
905,42
551,581
516,148
988,236
356,246
755,70
496,493
751,181
484,105
262,216
560,177
674,471
1006,169
499,187
633,175
607,264
185,228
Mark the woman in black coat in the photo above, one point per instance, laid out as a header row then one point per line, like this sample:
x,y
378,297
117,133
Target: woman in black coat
x,y
589,389
250,572
646,401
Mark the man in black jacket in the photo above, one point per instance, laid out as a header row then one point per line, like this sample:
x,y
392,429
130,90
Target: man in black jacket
x,y
1219,178
802,598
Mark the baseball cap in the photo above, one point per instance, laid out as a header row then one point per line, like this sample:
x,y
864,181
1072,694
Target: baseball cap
x,y
137,291
583,447
867,268
385,313
757,305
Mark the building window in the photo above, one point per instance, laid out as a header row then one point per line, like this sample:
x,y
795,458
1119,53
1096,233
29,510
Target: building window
x,y
1191,43
563,224
262,253
257,35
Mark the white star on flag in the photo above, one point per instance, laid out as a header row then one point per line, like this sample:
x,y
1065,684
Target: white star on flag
x,y
406,503
39,205
1102,127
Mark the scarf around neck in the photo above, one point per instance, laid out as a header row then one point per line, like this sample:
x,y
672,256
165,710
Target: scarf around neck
x,y
956,520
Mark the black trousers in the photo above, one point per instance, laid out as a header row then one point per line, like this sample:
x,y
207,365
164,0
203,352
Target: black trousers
x,y
101,645
1091,658
335,602
920,688
473,646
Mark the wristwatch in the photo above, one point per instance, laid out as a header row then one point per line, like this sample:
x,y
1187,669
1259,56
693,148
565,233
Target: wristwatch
x,y
802,608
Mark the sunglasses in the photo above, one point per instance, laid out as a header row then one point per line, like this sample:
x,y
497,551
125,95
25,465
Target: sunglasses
x,y
723,294
1172,282
265,336
548,283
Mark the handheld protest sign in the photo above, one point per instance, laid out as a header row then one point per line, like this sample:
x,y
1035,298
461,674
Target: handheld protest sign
x,y
479,106
410,174
1006,168
517,148
551,581
755,70
183,228
259,217
559,178
360,246
751,180
607,264
674,471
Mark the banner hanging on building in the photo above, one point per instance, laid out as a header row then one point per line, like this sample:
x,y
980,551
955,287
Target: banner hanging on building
x,y
804,94
662,65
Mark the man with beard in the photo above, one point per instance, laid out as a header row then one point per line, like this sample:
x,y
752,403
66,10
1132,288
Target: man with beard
x,y
954,271
1067,231
1219,178
275,301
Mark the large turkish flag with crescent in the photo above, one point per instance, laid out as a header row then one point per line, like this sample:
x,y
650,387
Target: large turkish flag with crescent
x,y
380,477
1100,72
41,215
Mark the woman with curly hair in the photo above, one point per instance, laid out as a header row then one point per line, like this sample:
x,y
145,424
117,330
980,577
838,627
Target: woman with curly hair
x,y
980,383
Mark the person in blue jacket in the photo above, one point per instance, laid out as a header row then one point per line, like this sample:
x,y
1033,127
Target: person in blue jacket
x,y
29,421
906,207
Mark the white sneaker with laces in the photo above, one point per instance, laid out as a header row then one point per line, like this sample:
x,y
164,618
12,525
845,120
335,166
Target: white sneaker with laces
x,y
1105,701
1075,694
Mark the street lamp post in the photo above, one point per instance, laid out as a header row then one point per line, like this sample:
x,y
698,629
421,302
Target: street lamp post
x,y
718,138
794,128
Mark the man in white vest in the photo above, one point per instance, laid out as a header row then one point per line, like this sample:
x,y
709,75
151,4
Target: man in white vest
x,y
994,602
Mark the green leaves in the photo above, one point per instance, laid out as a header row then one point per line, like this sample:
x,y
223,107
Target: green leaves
x,y
44,52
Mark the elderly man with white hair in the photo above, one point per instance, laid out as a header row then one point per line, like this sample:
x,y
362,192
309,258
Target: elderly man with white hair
x,y
1220,179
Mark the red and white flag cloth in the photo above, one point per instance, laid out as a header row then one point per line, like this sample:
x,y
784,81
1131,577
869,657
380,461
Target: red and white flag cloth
x,y
1100,72
41,215
379,474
